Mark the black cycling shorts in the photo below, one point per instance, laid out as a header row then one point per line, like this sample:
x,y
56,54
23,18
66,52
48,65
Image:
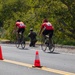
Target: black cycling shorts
x,y
21,30
48,32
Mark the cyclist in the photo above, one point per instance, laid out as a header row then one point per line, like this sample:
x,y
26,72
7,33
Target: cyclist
x,y
47,29
20,27
32,35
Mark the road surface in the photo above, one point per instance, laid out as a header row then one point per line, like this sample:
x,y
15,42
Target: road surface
x,y
21,61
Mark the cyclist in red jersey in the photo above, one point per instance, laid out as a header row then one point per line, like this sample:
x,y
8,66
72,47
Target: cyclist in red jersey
x,y
20,27
47,29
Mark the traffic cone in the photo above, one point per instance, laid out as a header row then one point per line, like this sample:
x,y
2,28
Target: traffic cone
x,y
1,57
37,60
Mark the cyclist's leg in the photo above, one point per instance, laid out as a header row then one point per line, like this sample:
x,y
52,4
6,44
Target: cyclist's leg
x,y
22,32
44,33
50,36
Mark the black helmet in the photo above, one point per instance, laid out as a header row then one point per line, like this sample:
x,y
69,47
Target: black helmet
x,y
18,21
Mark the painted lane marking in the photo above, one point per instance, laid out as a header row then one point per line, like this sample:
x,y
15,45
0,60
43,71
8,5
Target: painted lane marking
x,y
42,68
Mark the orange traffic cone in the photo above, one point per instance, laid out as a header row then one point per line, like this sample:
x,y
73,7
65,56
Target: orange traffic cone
x,y
1,57
37,60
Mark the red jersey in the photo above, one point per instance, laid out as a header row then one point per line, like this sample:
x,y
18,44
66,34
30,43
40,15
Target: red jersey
x,y
20,25
47,26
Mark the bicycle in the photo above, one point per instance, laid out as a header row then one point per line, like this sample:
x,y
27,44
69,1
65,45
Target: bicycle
x,y
20,41
45,43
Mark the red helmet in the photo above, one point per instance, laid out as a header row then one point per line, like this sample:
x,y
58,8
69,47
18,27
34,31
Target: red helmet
x,y
45,20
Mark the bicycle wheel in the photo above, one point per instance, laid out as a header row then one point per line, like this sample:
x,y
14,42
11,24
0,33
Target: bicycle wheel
x,y
17,44
23,44
51,47
43,45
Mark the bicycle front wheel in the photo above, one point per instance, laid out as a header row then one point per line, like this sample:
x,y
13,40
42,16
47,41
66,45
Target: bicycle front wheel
x,y
43,45
17,44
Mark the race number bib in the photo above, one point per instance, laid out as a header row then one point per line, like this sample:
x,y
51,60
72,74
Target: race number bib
x,y
49,24
21,24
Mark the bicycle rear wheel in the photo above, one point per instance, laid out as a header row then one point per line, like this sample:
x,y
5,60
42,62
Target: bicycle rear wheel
x,y
51,47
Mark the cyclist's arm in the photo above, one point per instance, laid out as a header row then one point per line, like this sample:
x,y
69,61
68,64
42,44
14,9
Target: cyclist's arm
x,y
15,29
41,29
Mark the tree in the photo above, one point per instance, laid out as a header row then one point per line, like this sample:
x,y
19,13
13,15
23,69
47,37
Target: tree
x,y
59,12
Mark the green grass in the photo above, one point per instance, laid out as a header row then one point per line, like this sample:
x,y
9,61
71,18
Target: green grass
x,y
1,39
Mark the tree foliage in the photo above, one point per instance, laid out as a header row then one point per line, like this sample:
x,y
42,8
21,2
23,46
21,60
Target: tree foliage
x,y
60,13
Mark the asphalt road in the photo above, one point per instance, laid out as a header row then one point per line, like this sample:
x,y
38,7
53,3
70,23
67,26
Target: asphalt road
x,y
20,61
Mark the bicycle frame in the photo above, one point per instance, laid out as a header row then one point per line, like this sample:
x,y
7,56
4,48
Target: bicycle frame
x,y
20,41
47,44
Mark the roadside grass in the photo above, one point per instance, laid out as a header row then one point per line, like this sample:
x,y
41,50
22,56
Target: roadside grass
x,y
1,39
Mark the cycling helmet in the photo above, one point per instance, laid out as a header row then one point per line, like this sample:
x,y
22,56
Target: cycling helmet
x,y
18,21
45,20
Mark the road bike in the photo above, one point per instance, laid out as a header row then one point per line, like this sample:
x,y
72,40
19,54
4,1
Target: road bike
x,y
47,45
20,41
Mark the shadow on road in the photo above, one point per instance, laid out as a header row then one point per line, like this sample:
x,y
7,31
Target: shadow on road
x,y
23,49
53,52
